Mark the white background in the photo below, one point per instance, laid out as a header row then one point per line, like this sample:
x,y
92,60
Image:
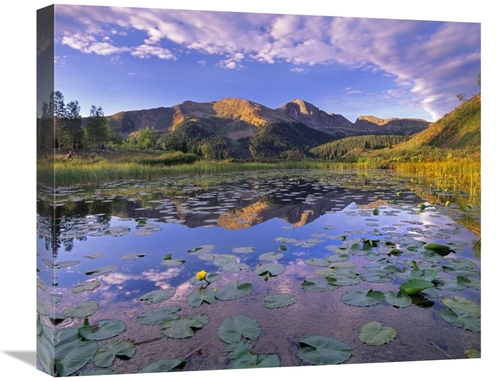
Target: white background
x,y
17,213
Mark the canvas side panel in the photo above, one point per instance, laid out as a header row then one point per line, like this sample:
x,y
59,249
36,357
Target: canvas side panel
x,y
45,130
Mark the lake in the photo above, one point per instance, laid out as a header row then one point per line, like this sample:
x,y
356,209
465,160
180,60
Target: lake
x,y
302,267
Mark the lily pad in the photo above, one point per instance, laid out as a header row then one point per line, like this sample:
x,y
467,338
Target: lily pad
x,y
76,355
235,349
166,365
438,248
462,305
414,286
60,265
362,298
210,278
184,327
318,262
102,330
461,320
400,300
157,296
271,256
251,360
158,315
83,310
323,350
319,284
243,250
373,333
279,300
102,270
132,256
376,277
271,269
233,291
233,328
87,286
106,354
196,298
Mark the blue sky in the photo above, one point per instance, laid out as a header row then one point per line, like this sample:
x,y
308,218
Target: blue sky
x,y
136,58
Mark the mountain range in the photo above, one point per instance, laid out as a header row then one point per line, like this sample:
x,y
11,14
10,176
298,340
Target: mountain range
x,y
241,128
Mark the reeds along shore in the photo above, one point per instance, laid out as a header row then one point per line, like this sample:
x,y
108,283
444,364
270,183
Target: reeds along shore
x,y
458,175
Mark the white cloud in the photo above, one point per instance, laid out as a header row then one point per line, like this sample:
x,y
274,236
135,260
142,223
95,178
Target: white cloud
x,y
427,57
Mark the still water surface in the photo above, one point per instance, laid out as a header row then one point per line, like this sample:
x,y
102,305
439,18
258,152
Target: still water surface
x,y
131,238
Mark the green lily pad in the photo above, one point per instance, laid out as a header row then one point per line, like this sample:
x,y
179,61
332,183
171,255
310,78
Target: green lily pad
x,y
76,355
196,298
83,310
376,277
337,257
473,283
271,269
323,350
448,284
271,256
132,256
107,353
235,349
102,270
318,262
166,365
158,315
373,333
157,296
102,330
250,360
60,265
184,327
230,265
172,262
458,270
400,300
414,286
461,320
462,305
319,284
87,286
440,249
472,353
233,291
233,328
279,300
243,250
362,298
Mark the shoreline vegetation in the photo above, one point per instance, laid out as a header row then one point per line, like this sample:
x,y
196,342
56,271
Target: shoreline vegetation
x,y
452,174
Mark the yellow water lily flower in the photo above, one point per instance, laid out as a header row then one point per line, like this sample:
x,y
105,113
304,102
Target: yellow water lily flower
x,y
201,275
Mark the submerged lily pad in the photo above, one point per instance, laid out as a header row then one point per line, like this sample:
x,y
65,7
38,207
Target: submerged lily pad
x,y
279,300
373,333
233,328
323,350
362,298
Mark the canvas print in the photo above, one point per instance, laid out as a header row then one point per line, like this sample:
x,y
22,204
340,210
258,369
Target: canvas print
x,y
229,190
